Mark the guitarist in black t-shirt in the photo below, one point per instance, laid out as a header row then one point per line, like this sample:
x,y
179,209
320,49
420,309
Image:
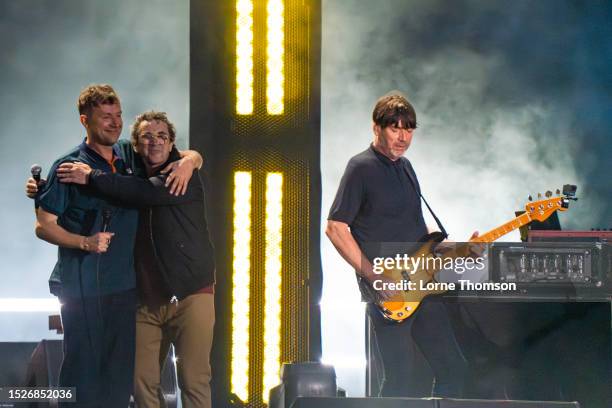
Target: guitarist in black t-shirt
x,y
378,201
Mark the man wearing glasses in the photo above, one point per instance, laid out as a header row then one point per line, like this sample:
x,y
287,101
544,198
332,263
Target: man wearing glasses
x,y
174,263
94,277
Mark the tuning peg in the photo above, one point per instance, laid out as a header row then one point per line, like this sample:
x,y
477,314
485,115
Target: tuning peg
x,y
548,194
530,197
539,195
558,192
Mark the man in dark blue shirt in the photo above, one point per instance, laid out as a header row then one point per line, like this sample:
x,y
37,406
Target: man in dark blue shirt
x,y
376,210
79,212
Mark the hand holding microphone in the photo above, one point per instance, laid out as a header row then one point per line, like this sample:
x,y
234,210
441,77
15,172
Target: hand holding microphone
x,y
69,172
36,170
100,241
97,243
34,182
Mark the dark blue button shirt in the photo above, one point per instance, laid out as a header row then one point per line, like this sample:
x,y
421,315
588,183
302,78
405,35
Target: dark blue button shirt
x,y
79,210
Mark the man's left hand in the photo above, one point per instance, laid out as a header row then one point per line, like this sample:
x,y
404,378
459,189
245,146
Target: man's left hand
x,y
476,249
180,174
472,249
77,173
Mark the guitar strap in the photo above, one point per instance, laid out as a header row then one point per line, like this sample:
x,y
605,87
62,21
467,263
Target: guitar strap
x,y
406,163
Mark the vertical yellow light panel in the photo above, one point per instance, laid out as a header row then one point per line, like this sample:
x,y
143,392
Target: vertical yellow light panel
x,y
241,268
273,281
275,55
244,57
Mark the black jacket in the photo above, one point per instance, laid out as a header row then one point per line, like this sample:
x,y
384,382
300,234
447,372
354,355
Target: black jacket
x,y
179,230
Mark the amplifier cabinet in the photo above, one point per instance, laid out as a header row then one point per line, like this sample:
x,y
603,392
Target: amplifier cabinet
x,y
578,264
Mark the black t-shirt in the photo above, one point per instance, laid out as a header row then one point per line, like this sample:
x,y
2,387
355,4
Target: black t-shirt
x,y
380,203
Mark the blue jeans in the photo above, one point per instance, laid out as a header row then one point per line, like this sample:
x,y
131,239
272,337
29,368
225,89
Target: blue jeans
x,y
99,342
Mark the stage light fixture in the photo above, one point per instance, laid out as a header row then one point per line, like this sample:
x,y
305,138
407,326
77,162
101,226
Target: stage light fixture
x,y
275,55
273,282
244,57
241,285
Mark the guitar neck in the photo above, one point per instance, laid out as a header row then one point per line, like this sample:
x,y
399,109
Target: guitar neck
x,y
463,249
503,229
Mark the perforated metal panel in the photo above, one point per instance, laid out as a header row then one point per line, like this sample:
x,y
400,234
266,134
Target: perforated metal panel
x,y
295,261
279,143
260,143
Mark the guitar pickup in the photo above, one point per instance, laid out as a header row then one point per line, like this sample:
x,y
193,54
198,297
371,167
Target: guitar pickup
x,y
405,276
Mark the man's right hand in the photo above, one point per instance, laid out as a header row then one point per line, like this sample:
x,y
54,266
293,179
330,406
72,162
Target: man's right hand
x,y
97,243
32,187
385,294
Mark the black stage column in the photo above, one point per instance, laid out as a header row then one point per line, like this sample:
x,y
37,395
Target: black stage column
x,y
255,116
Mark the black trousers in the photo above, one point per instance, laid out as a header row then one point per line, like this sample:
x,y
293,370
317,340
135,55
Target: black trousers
x,y
99,343
411,351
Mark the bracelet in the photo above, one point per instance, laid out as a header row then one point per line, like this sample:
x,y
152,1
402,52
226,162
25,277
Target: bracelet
x,y
84,244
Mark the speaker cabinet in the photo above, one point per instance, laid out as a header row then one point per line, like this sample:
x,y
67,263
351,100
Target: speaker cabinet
x,y
45,364
14,357
464,403
313,402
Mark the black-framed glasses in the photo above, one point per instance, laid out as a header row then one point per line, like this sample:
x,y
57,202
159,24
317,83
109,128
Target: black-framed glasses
x,y
153,139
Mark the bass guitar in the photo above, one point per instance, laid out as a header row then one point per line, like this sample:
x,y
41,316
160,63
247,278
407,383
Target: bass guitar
x,y
405,302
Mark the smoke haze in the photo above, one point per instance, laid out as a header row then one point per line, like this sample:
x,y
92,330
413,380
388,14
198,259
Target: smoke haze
x,y
510,100
50,50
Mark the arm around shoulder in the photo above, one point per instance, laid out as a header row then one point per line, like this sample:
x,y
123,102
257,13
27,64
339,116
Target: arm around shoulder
x,y
194,156
132,190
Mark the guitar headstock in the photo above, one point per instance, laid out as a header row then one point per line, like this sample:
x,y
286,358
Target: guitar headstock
x,y
542,209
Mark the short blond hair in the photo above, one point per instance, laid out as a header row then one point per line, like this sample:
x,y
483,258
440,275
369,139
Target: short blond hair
x,y
95,95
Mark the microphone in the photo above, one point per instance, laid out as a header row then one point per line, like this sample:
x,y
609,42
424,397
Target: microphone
x,y
106,217
36,170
